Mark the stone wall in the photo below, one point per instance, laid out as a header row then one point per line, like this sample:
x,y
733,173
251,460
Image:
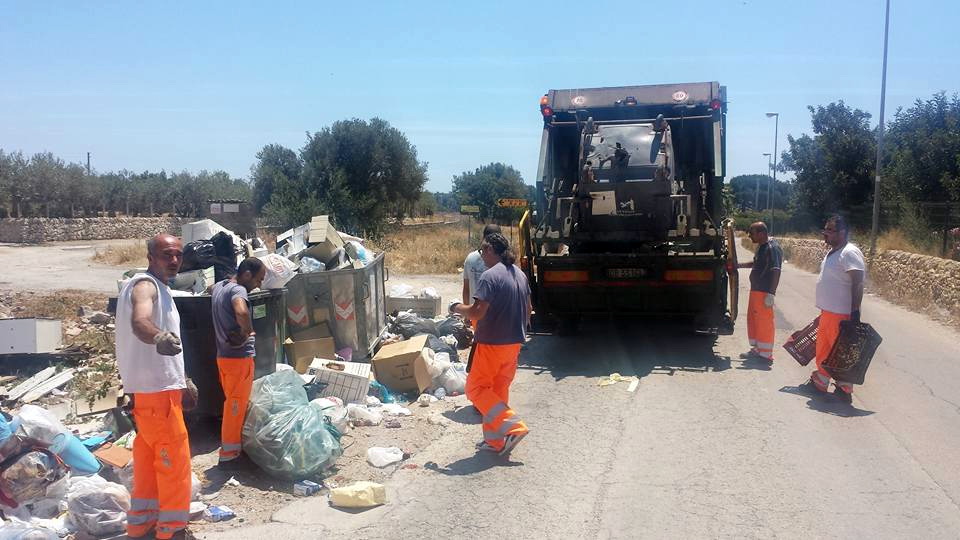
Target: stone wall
x,y
39,230
921,282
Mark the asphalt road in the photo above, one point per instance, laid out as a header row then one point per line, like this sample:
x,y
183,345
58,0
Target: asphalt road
x,y
707,445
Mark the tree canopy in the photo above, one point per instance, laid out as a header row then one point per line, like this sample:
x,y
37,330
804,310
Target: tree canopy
x,y
488,183
361,173
744,189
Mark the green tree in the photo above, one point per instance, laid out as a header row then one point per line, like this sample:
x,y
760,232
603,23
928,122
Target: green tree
x,y
744,189
446,202
275,165
835,168
362,173
488,183
924,152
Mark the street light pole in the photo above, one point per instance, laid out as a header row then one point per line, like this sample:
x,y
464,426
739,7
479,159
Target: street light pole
x,y
883,99
770,192
756,204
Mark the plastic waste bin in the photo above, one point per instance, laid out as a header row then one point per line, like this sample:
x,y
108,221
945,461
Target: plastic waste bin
x,y
268,310
349,302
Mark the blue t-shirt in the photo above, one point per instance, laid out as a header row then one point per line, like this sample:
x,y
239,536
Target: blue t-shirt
x,y
225,319
506,290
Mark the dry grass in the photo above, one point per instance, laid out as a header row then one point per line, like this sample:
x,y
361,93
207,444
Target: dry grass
x,y
129,255
61,305
896,239
432,250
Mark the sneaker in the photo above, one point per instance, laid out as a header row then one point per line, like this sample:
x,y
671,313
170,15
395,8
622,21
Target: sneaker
x,y
845,397
809,388
751,354
484,446
511,442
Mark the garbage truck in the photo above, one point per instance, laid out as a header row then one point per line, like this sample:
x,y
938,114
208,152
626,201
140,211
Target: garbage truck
x,y
629,216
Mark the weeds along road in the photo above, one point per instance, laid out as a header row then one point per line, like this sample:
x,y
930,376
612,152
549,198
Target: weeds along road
x,y
707,446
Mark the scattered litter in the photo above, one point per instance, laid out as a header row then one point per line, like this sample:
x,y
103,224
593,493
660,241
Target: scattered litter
x,y
349,381
392,423
426,399
359,495
615,378
309,264
633,385
363,416
394,409
196,510
48,385
401,290
210,496
232,482
280,270
410,466
305,488
372,401
218,513
380,457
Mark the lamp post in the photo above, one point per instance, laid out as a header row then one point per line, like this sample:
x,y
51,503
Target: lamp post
x,y
756,203
876,184
770,192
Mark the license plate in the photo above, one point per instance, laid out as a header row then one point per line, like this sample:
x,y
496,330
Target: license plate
x,y
626,273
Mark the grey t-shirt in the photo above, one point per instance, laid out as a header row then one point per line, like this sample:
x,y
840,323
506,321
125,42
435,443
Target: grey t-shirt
x,y
769,257
506,290
225,319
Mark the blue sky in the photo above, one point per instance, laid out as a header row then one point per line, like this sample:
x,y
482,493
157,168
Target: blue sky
x,y
205,85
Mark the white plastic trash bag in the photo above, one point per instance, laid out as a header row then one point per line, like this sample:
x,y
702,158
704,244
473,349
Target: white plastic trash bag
x,y
96,506
401,290
16,529
381,457
280,270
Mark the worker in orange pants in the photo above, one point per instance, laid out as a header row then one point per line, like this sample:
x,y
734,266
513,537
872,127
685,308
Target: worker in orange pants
x,y
839,295
764,280
828,330
161,466
233,324
236,378
488,388
150,361
501,306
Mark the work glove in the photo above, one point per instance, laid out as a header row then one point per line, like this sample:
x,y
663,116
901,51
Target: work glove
x,y
453,307
189,396
855,316
768,300
167,344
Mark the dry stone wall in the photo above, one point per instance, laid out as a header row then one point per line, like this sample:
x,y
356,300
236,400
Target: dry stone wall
x,y
39,230
924,283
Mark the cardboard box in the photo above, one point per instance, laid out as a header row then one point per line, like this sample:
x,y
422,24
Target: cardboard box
x,y
325,238
424,307
316,331
401,366
349,381
300,354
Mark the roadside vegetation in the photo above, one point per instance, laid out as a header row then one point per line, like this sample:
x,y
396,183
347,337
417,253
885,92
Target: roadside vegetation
x,y
435,249
129,254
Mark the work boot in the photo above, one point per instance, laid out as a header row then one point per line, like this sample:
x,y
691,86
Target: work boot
x,y
239,463
845,397
511,442
183,534
750,355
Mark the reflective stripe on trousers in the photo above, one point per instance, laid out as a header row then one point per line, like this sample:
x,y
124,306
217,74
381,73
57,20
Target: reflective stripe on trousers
x,y
161,466
488,387
761,328
236,378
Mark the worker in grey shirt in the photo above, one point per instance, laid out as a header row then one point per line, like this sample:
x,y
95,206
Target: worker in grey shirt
x,y
233,324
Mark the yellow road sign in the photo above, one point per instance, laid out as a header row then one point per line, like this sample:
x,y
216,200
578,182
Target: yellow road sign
x,y
469,209
512,203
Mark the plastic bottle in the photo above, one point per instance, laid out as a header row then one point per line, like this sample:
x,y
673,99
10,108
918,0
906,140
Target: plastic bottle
x,y
381,457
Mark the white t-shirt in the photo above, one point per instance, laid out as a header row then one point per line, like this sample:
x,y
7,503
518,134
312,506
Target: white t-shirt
x,y
834,286
142,368
473,266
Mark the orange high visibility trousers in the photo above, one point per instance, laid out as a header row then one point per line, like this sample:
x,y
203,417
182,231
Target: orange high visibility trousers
x,y
488,387
161,466
760,325
236,378
827,333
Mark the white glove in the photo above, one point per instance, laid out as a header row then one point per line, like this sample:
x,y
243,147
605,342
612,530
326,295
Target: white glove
x,y
167,344
768,300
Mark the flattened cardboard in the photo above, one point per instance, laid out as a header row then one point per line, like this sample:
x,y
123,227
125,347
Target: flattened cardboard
x,y
116,456
316,331
396,365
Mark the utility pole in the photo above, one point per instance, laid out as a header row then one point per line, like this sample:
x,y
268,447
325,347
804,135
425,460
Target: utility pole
x,y
88,163
770,192
756,204
883,100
